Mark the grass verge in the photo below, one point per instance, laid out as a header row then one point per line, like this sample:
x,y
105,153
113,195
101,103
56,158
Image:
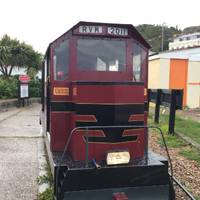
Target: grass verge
x,y
171,140
185,126
189,128
191,153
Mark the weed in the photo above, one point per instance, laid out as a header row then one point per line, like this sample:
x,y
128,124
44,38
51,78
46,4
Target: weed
x,y
46,195
42,179
47,178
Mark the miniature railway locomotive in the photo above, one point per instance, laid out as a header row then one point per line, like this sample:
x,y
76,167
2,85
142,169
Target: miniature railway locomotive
x,y
95,116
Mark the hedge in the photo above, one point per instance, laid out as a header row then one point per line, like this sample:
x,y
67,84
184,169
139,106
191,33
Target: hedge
x,y
9,87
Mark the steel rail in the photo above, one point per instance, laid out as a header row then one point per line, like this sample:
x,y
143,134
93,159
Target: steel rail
x,y
178,183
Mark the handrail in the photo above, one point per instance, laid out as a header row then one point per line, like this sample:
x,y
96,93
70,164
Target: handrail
x,y
105,127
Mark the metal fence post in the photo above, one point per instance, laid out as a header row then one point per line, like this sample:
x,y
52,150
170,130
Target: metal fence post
x,y
147,146
172,112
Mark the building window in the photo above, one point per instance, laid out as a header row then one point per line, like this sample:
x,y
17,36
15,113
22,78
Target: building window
x,y
101,55
61,61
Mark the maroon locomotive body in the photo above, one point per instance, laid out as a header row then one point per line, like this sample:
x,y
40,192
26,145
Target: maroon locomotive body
x,y
95,76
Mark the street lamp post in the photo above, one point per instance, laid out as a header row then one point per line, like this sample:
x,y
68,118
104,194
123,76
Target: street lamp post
x,y
162,39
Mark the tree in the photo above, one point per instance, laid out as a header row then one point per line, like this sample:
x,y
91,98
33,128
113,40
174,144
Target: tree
x,y
153,35
14,53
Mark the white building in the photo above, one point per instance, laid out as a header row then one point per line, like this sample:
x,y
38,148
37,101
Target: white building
x,y
179,69
185,41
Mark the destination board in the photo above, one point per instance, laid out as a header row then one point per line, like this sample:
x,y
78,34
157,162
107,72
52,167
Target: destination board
x,y
91,29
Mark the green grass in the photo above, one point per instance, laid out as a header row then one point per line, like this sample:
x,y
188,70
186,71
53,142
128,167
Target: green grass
x,y
191,153
189,128
171,140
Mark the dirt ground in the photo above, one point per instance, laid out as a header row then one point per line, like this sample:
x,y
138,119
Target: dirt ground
x,y
186,171
193,114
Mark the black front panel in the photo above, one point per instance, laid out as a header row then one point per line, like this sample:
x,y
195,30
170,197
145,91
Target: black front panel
x,y
106,115
111,115
107,83
110,177
62,106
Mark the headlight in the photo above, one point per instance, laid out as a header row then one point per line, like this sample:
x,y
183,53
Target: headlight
x,y
117,157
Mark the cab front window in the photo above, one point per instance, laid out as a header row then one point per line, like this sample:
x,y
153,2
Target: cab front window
x,y
101,55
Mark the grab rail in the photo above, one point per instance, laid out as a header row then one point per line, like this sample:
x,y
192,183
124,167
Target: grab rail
x,y
87,128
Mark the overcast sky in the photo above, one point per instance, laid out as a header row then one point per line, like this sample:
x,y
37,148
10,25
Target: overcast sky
x,y
38,22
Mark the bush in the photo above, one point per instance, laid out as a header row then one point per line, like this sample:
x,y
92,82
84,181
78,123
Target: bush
x,y
35,88
9,87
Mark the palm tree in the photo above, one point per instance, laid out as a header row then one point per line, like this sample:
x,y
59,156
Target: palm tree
x,y
4,55
16,54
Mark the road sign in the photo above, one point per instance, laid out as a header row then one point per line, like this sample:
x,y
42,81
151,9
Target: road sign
x,y
24,78
24,91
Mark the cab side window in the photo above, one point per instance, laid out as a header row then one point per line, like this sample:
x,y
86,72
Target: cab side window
x,y
139,59
61,61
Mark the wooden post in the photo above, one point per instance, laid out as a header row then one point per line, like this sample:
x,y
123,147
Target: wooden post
x,y
157,108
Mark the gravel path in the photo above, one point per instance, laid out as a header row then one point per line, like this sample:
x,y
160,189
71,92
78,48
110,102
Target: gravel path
x,y
18,168
19,140
186,171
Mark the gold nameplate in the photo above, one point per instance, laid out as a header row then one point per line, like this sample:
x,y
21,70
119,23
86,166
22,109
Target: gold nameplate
x,y
62,91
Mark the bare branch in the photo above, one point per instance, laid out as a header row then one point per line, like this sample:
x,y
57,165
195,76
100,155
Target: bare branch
x,y
10,71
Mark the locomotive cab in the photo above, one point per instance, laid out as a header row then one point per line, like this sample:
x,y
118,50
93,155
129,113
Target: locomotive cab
x,y
95,115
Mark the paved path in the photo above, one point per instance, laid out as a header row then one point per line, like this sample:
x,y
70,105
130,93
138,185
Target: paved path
x,y
19,141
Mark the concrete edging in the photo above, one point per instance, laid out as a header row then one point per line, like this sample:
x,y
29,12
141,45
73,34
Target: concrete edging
x,y
188,140
9,103
42,162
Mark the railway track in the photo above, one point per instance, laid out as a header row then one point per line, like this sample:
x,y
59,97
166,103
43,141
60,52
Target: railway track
x,y
177,183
